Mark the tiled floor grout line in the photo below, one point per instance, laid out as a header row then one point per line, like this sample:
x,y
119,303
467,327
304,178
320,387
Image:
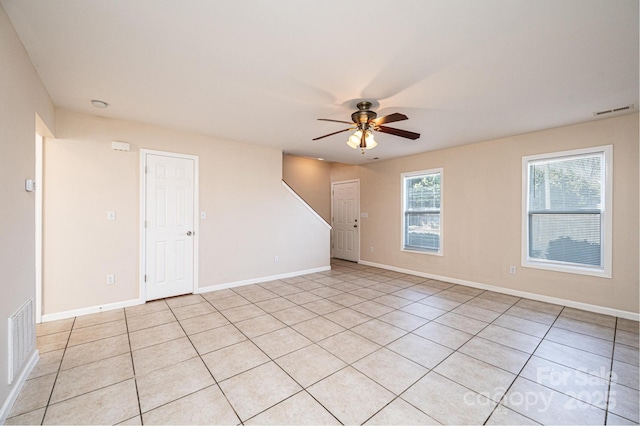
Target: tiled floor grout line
x,y
79,366
432,370
448,311
613,351
215,381
349,274
46,407
524,365
254,367
429,370
477,335
303,388
133,366
531,354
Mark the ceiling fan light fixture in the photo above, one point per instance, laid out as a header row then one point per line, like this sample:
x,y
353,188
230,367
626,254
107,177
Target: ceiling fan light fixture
x,y
369,141
355,140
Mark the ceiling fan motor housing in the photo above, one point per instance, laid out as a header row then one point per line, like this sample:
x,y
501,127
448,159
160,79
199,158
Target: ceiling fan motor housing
x,y
363,115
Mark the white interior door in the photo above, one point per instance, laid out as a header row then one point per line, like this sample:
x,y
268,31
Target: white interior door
x,y
346,228
169,226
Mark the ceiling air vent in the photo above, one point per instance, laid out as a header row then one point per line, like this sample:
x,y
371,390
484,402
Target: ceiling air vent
x,y
614,110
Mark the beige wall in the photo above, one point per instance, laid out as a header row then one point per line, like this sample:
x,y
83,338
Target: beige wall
x,y
311,179
251,217
22,96
482,196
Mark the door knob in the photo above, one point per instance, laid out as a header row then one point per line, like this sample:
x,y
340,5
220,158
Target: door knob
x,y
189,233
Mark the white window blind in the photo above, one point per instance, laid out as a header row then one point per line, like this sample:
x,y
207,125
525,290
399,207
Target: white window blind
x,y
566,210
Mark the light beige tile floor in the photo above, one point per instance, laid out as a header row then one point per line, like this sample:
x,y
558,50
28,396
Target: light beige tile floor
x,y
353,345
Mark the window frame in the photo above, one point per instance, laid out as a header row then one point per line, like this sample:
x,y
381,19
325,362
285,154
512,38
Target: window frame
x,y
403,212
606,221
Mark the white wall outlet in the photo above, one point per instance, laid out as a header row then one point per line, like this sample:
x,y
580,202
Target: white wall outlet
x,y
276,259
111,279
371,249
512,270
111,215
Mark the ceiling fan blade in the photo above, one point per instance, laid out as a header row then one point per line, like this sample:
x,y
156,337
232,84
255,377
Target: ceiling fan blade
x,y
397,132
331,134
389,119
335,121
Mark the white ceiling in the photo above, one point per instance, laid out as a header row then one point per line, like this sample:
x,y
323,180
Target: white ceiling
x,y
262,71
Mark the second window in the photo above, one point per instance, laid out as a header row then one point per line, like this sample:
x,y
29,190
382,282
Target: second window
x,y
422,208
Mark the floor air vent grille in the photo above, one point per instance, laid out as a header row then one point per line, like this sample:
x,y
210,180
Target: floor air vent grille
x,y
22,340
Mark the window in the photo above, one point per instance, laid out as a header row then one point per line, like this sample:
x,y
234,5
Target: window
x,y
421,207
567,209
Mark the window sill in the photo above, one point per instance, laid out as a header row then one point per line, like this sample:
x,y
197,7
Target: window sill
x,y
419,251
601,273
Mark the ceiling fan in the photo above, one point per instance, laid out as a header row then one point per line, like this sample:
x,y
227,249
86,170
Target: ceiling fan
x,y
364,122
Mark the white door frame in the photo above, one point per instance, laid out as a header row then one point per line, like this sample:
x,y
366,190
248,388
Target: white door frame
x,y
38,225
143,207
357,182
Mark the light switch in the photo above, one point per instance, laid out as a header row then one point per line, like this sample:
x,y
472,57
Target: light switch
x,y
203,215
111,215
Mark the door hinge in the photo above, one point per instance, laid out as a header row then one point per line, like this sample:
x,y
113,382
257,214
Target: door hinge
x,y
146,170
145,278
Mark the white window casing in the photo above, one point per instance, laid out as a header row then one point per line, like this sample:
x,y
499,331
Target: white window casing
x,y
567,211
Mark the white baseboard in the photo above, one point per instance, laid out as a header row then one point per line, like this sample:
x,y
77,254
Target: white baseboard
x,y
91,310
134,302
19,383
540,297
260,279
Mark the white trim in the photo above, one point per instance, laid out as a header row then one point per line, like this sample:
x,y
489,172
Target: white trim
x,y
38,227
607,232
141,224
196,215
91,310
17,387
340,182
261,279
534,296
304,203
440,170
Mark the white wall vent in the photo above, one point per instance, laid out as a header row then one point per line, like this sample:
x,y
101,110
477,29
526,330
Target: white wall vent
x,y
22,338
614,110
120,146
